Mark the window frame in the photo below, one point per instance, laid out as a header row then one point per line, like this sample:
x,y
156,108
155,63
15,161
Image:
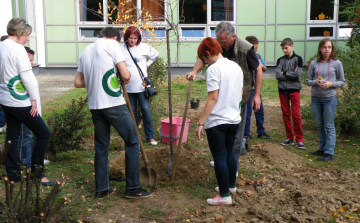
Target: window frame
x,y
338,31
210,22
79,22
335,33
333,20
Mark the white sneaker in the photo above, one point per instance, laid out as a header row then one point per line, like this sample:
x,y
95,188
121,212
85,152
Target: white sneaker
x,y
218,200
46,162
212,163
232,190
3,129
154,143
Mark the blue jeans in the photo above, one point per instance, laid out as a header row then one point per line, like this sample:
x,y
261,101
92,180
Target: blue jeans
x,y
26,146
259,115
119,117
144,104
2,117
221,141
14,117
324,111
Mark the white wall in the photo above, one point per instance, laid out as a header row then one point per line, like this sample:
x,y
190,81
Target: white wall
x,y
5,15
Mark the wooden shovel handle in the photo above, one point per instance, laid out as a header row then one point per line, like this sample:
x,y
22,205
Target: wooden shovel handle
x,y
146,161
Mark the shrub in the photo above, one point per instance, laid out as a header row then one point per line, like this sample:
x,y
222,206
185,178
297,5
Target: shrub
x,y
68,128
158,72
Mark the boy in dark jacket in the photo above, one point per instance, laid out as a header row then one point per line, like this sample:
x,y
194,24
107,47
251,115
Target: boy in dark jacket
x,y
288,73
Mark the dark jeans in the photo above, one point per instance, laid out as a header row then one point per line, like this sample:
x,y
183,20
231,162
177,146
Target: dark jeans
x,y
119,117
259,115
144,104
221,141
14,117
2,117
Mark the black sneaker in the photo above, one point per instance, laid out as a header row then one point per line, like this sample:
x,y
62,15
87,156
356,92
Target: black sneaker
x,y
137,193
287,142
326,158
264,136
317,153
249,137
104,193
300,145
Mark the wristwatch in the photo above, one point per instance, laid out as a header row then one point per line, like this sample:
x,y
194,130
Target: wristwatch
x,y
198,124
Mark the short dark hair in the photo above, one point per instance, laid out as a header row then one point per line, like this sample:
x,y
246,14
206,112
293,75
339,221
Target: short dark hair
x,y
29,51
132,30
252,39
110,32
287,41
4,37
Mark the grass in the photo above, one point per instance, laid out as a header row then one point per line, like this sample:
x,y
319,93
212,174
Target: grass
x,y
78,166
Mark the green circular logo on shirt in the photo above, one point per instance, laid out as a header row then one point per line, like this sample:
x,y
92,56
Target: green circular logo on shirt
x,y
110,84
17,89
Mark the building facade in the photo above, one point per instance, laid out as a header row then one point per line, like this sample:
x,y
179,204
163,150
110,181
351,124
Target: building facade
x,y
62,29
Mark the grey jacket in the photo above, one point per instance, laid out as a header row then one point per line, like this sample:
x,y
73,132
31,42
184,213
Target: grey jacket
x,y
331,70
290,80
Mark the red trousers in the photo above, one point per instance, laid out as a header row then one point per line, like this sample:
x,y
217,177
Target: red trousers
x,y
290,106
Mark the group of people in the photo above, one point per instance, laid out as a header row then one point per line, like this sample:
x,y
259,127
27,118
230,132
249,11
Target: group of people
x,y
234,79
232,59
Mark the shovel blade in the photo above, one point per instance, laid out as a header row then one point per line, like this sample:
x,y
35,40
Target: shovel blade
x,y
148,177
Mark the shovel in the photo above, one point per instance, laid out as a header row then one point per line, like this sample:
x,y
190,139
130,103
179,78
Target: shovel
x,y
6,150
182,130
147,175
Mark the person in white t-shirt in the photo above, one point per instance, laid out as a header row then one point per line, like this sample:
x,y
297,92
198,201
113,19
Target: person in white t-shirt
x,y
97,72
221,116
144,55
18,97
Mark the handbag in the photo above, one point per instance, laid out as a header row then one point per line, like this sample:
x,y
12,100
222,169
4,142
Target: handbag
x,y
149,90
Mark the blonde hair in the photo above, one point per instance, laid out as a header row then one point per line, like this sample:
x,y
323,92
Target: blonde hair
x,y
18,27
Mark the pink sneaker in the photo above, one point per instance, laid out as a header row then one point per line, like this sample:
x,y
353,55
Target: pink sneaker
x,y
218,200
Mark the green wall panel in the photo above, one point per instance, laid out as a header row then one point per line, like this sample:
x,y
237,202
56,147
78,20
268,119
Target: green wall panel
x,y
261,49
61,52
271,9
291,11
341,43
247,10
293,32
13,4
163,51
33,45
270,33
61,33
82,46
258,31
311,49
21,9
60,12
188,52
270,49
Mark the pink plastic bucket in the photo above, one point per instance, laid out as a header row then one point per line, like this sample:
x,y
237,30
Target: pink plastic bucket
x,y
176,124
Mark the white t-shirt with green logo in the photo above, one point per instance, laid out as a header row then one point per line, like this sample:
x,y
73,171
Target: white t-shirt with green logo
x,y
18,84
98,64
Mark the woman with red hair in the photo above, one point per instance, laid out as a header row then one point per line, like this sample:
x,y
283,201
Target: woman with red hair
x,y
139,55
221,116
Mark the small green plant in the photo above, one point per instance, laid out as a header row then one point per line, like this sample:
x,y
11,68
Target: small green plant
x,y
158,72
68,129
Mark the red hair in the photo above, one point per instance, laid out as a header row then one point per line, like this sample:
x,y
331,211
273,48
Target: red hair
x,y
132,30
211,45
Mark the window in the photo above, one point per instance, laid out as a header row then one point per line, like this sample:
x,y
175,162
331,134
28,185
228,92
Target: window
x,y
158,33
90,32
321,11
344,32
91,10
320,32
193,32
222,10
193,11
342,5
